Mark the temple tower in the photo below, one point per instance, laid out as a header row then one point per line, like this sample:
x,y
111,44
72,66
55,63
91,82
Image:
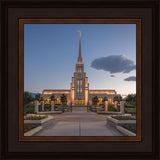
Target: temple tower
x,y
79,85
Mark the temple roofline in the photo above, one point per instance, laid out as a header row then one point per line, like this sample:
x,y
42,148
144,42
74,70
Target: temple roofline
x,y
102,90
69,89
56,90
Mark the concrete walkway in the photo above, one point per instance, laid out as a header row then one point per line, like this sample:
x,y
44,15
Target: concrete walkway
x,y
79,124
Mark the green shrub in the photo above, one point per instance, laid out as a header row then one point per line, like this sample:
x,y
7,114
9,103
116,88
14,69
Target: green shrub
x,y
129,106
39,108
27,98
118,107
95,100
112,109
47,107
130,110
110,105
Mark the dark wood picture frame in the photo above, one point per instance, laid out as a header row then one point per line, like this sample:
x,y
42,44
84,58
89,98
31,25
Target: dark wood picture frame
x,y
78,21
146,145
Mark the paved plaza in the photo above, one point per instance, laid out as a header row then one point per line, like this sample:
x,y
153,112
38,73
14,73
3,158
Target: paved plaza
x,y
79,123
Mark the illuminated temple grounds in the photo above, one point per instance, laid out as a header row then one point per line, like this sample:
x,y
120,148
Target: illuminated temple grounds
x,y
79,92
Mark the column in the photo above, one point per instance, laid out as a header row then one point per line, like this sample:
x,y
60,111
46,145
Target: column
x,y
122,107
86,90
72,91
36,106
42,104
52,105
106,106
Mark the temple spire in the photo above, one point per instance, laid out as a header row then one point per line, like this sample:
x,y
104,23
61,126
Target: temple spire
x,y
79,57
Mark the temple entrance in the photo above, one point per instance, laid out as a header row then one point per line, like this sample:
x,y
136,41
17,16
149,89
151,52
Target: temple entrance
x,y
79,102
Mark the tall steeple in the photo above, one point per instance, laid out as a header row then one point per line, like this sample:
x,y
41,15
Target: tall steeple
x,y
79,57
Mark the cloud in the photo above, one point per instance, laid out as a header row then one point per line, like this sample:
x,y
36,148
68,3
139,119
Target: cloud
x,y
112,75
114,64
131,78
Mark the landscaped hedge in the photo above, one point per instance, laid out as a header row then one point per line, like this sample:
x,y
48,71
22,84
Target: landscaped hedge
x,y
110,105
118,108
130,106
39,108
112,109
130,110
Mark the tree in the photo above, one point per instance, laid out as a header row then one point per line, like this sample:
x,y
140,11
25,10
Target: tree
x,y
105,99
27,97
38,97
135,98
52,97
131,98
95,100
117,98
63,99
41,99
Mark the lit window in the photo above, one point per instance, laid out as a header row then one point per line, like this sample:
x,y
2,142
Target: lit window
x,y
79,70
58,101
100,100
80,82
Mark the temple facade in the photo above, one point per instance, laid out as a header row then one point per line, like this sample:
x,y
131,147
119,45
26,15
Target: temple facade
x,y
79,92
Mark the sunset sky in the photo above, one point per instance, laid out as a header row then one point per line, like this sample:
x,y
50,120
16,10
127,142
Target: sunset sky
x,y
108,53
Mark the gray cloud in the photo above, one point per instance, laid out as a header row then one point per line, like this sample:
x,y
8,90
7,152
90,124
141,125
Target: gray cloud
x,y
114,64
112,75
131,78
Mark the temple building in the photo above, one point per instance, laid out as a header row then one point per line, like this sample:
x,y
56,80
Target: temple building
x,y
79,92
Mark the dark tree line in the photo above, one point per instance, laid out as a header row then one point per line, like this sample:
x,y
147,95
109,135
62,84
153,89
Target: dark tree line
x,y
131,98
29,98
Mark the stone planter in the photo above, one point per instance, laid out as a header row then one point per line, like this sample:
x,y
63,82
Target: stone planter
x,y
118,125
50,112
109,113
125,131
33,131
115,122
43,123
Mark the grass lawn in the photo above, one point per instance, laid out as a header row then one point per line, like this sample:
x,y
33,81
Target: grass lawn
x,y
131,109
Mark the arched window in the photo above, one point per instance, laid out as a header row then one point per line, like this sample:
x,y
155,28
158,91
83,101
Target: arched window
x,y
58,100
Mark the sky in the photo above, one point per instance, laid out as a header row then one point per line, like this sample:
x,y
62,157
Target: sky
x,y
108,54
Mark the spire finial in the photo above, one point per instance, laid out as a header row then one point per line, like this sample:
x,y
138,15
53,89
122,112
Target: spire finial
x,y
79,33
79,58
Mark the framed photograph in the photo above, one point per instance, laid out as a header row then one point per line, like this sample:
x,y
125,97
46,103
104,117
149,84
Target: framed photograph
x,y
80,78
75,118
